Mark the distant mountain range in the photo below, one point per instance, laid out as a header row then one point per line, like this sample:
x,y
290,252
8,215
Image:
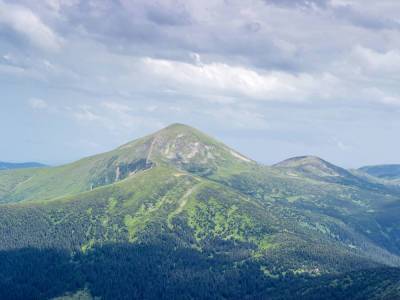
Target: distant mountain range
x,y
10,166
179,215
389,172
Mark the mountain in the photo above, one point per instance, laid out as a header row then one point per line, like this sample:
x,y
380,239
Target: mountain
x,y
179,215
389,172
314,166
177,145
9,166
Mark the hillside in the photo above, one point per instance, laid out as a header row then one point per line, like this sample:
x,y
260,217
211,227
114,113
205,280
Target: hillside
x,y
177,214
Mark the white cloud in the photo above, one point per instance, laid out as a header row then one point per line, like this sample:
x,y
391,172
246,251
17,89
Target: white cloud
x,y
378,62
13,71
221,79
116,107
86,113
239,118
57,5
151,108
117,118
341,145
375,95
36,103
391,100
341,2
7,57
23,21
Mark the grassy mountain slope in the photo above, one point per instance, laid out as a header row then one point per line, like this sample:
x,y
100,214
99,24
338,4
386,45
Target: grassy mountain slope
x,y
193,211
165,207
177,214
11,179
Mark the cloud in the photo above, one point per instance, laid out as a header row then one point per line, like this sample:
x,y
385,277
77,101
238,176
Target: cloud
x,y
239,118
118,119
387,62
217,82
38,104
24,22
219,51
170,13
116,107
85,113
341,145
300,3
236,81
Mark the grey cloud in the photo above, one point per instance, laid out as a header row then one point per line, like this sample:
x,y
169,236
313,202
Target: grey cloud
x,y
139,28
366,20
263,36
25,24
164,15
299,3
253,26
367,14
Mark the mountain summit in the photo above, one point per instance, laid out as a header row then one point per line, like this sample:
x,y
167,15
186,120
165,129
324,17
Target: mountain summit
x,y
187,148
177,145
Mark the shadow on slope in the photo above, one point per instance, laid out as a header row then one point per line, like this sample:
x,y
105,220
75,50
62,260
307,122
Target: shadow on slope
x,y
159,271
125,271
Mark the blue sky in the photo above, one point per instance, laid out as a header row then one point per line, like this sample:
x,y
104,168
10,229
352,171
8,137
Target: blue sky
x,y
271,78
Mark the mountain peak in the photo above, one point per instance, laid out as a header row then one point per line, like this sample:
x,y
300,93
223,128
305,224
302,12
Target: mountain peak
x,y
177,126
300,160
312,165
185,147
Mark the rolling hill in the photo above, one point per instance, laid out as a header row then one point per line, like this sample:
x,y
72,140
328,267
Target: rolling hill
x,y
179,215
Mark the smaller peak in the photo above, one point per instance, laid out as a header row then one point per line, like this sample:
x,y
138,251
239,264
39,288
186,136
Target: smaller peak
x,y
307,157
312,165
300,160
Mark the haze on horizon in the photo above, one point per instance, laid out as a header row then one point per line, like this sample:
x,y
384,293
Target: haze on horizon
x,y
271,78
